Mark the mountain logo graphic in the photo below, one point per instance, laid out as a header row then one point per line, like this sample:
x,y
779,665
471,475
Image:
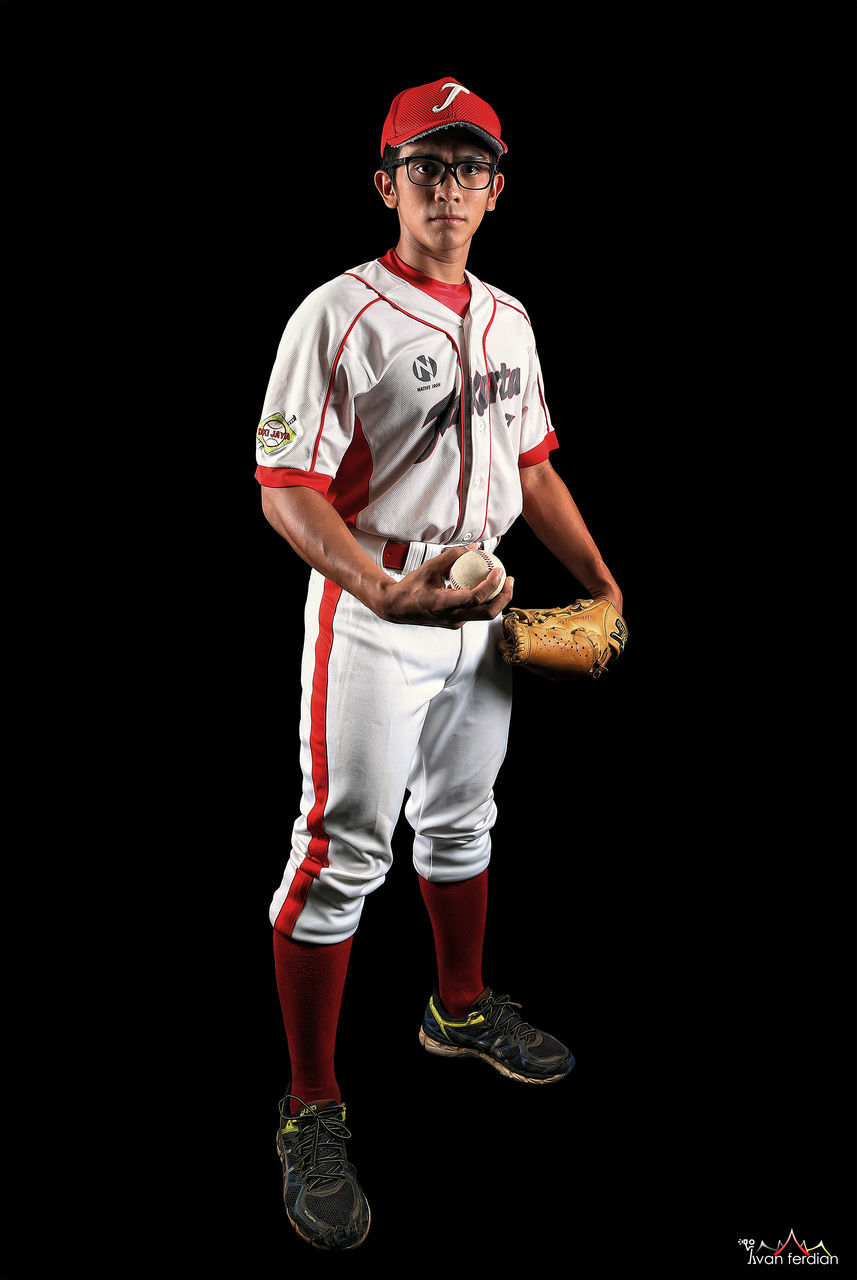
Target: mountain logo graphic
x,y
790,1252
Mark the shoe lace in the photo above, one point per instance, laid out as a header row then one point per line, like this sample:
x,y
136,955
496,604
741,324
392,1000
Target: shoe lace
x,y
499,1012
323,1158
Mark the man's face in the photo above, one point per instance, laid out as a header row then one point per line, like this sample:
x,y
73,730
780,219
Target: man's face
x,y
444,217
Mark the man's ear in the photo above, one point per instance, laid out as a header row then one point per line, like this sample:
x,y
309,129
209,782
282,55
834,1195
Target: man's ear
x,y
384,184
496,187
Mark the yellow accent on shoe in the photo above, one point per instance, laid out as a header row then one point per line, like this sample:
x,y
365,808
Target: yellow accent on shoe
x,y
470,1021
292,1125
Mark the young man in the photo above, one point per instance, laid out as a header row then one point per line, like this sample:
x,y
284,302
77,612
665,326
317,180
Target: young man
x,y
404,421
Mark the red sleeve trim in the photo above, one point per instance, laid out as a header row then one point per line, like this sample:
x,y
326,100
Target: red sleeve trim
x,y
288,477
541,451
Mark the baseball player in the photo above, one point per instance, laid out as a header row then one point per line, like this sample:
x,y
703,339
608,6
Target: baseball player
x,y
405,421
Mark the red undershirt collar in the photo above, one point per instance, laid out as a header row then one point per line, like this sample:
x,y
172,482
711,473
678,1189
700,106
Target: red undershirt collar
x,y
454,296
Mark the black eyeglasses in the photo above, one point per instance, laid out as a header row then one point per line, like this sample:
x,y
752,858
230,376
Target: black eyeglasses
x,y
426,171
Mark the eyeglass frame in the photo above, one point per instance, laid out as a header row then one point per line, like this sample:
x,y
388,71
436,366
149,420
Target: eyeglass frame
x,y
394,164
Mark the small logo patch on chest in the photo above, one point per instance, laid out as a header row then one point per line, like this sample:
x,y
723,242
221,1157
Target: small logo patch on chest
x,y
424,368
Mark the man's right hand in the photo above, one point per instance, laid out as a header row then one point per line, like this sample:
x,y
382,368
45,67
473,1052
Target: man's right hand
x,y
421,599
317,532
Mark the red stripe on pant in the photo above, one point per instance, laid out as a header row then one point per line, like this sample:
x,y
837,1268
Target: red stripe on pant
x,y
316,856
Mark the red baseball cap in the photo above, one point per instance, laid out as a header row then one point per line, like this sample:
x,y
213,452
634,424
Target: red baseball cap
x,y
440,105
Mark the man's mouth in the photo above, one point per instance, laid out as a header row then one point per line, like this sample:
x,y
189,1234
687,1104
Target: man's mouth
x,y
448,218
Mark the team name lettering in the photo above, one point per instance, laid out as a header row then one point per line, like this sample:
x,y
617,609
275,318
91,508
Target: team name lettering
x,y
441,416
486,387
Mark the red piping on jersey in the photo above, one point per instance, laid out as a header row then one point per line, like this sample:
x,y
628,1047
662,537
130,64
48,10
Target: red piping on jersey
x,y
544,406
512,307
316,855
550,439
490,432
330,382
382,298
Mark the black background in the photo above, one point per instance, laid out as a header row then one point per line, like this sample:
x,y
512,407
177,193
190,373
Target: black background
x,y
672,885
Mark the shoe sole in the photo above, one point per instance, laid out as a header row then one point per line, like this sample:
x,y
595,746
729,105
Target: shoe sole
x,y
326,1248
456,1051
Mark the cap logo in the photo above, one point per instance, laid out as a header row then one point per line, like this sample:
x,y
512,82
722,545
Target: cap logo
x,y
455,90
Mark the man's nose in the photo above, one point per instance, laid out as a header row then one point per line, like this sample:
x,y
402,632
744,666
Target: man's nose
x,y
448,188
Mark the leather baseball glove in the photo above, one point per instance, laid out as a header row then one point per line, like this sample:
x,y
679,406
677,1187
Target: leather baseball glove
x,y
563,644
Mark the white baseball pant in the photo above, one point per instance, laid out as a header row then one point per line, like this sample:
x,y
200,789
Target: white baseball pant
x,y
389,709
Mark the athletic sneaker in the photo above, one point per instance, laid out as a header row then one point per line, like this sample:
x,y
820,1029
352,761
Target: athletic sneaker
x,y
493,1031
323,1198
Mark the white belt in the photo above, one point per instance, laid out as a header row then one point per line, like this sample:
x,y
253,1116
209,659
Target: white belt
x,y
402,557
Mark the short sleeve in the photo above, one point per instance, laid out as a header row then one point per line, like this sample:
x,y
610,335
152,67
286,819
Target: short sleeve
x,y
537,434
307,418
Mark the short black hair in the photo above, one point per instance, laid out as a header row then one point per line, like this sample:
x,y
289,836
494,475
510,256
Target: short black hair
x,y
388,161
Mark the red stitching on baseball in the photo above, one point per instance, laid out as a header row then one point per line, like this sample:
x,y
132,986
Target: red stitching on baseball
x,y
486,557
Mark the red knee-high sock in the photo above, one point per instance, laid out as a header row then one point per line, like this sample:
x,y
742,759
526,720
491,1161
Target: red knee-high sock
x,y
310,979
457,913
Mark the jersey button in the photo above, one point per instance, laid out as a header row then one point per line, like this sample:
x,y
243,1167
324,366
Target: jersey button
x,y
467,535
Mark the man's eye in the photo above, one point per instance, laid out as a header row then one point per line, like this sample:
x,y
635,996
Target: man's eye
x,y
428,168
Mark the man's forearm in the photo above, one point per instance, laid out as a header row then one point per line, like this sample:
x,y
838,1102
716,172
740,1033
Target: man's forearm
x,y
554,518
321,537
307,521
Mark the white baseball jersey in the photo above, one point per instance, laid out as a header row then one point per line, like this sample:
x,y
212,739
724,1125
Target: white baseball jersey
x,y
413,421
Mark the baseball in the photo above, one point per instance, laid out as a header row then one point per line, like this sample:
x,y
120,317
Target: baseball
x,y
471,568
